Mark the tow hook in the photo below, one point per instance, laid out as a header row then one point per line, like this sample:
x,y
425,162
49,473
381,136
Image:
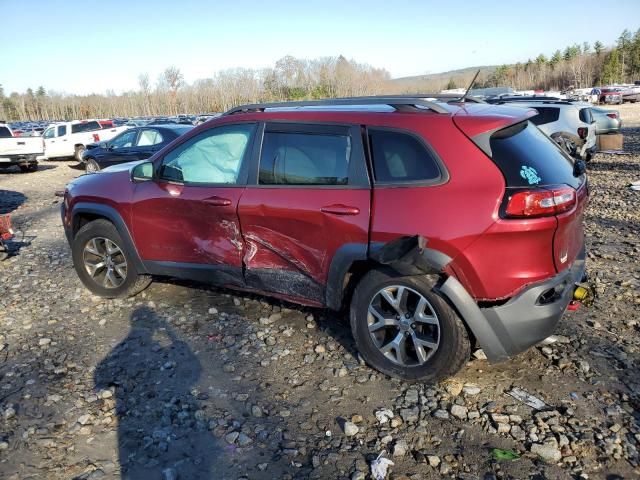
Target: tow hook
x,y
583,294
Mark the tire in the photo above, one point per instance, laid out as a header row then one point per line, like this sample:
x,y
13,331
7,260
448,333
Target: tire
x,y
101,236
32,167
79,152
453,345
91,166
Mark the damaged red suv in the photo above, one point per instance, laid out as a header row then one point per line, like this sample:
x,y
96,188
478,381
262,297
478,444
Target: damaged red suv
x,y
439,223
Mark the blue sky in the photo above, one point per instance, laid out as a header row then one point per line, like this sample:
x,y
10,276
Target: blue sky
x,y
86,46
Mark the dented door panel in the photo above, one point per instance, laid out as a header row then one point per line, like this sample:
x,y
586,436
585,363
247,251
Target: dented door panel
x,y
290,242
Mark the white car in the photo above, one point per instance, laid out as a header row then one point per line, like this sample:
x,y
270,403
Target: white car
x,y
68,139
570,124
21,151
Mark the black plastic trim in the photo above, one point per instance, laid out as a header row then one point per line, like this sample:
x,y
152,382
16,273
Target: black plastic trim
x,y
341,263
211,274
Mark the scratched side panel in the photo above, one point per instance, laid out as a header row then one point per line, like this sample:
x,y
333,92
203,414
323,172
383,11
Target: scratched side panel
x,y
290,242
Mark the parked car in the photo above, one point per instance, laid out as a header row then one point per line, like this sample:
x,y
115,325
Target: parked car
x,y
440,224
137,143
607,121
610,96
69,139
631,94
21,151
569,124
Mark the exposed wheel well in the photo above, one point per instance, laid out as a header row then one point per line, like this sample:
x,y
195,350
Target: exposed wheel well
x,y
83,218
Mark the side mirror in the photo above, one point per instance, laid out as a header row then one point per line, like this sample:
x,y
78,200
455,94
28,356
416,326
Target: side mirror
x,y
142,172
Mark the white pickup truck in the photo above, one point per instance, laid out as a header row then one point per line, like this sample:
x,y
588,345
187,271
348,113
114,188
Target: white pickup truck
x,y
68,139
21,151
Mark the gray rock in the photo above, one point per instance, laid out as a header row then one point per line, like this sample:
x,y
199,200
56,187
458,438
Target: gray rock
x,y
459,411
400,448
350,429
547,452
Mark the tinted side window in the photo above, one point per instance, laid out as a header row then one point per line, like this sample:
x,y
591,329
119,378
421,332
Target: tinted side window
x,y
49,133
62,130
545,115
213,157
5,132
586,115
304,159
527,157
399,157
124,140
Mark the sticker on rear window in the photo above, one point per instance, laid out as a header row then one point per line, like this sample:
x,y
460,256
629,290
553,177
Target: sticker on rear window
x,y
530,174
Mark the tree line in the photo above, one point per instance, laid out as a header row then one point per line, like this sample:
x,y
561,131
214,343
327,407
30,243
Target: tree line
x,y
578,65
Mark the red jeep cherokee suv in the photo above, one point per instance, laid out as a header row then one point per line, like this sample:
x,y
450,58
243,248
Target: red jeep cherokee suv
x,y
440,222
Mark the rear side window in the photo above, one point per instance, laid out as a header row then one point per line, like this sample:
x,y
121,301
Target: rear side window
x,y
546,115
5,132
304,159
62,130
149,137
586,115
527,157
85,127
399,157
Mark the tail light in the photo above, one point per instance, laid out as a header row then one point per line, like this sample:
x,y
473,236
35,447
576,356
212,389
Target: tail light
x,y
541,202
612,115
582,132
96,137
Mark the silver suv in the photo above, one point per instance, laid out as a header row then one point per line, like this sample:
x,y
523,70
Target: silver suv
x,y
570,124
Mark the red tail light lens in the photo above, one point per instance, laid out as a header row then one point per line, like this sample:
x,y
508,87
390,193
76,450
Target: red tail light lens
x,y
96,137
541,203
582,132
612,115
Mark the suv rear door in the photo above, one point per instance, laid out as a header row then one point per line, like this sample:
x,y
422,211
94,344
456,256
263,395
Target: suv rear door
x,y
305,208
185,221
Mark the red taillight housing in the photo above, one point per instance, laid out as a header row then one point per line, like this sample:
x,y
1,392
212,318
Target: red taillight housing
x,y
582,132
612,115
96,137
541,202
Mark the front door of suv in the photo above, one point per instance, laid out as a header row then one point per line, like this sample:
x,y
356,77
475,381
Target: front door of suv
x,y
305,207
185,221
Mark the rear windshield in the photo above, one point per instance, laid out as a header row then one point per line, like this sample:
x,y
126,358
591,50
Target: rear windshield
x,y
527,157
5,132
85,127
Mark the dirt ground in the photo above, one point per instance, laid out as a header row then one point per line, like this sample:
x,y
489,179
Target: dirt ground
x,y
187,382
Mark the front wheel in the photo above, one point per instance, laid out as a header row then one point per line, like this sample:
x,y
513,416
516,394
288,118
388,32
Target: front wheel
x,y
103,263
92,166
79,151
405,329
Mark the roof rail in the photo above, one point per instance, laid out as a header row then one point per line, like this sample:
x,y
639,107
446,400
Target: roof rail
x,y
402,103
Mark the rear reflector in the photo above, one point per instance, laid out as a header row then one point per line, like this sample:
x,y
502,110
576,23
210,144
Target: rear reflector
x,y
612,115
541,203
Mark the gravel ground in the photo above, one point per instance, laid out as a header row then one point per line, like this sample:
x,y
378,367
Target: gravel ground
x,y
189,382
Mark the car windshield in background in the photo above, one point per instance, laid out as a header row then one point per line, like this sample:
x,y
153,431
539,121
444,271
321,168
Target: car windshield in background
x,y
85,127
527,158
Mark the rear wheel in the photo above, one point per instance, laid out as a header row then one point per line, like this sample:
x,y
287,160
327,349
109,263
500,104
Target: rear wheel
x,y
79,151
103,263
92,166
405,329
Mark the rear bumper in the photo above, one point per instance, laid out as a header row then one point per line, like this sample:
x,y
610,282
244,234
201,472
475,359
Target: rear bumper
x,y
523,321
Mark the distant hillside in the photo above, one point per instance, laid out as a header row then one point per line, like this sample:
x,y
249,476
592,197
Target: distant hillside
x,y
437,81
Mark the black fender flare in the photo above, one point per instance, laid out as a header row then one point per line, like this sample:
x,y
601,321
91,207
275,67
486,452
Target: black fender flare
x,y
116,219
